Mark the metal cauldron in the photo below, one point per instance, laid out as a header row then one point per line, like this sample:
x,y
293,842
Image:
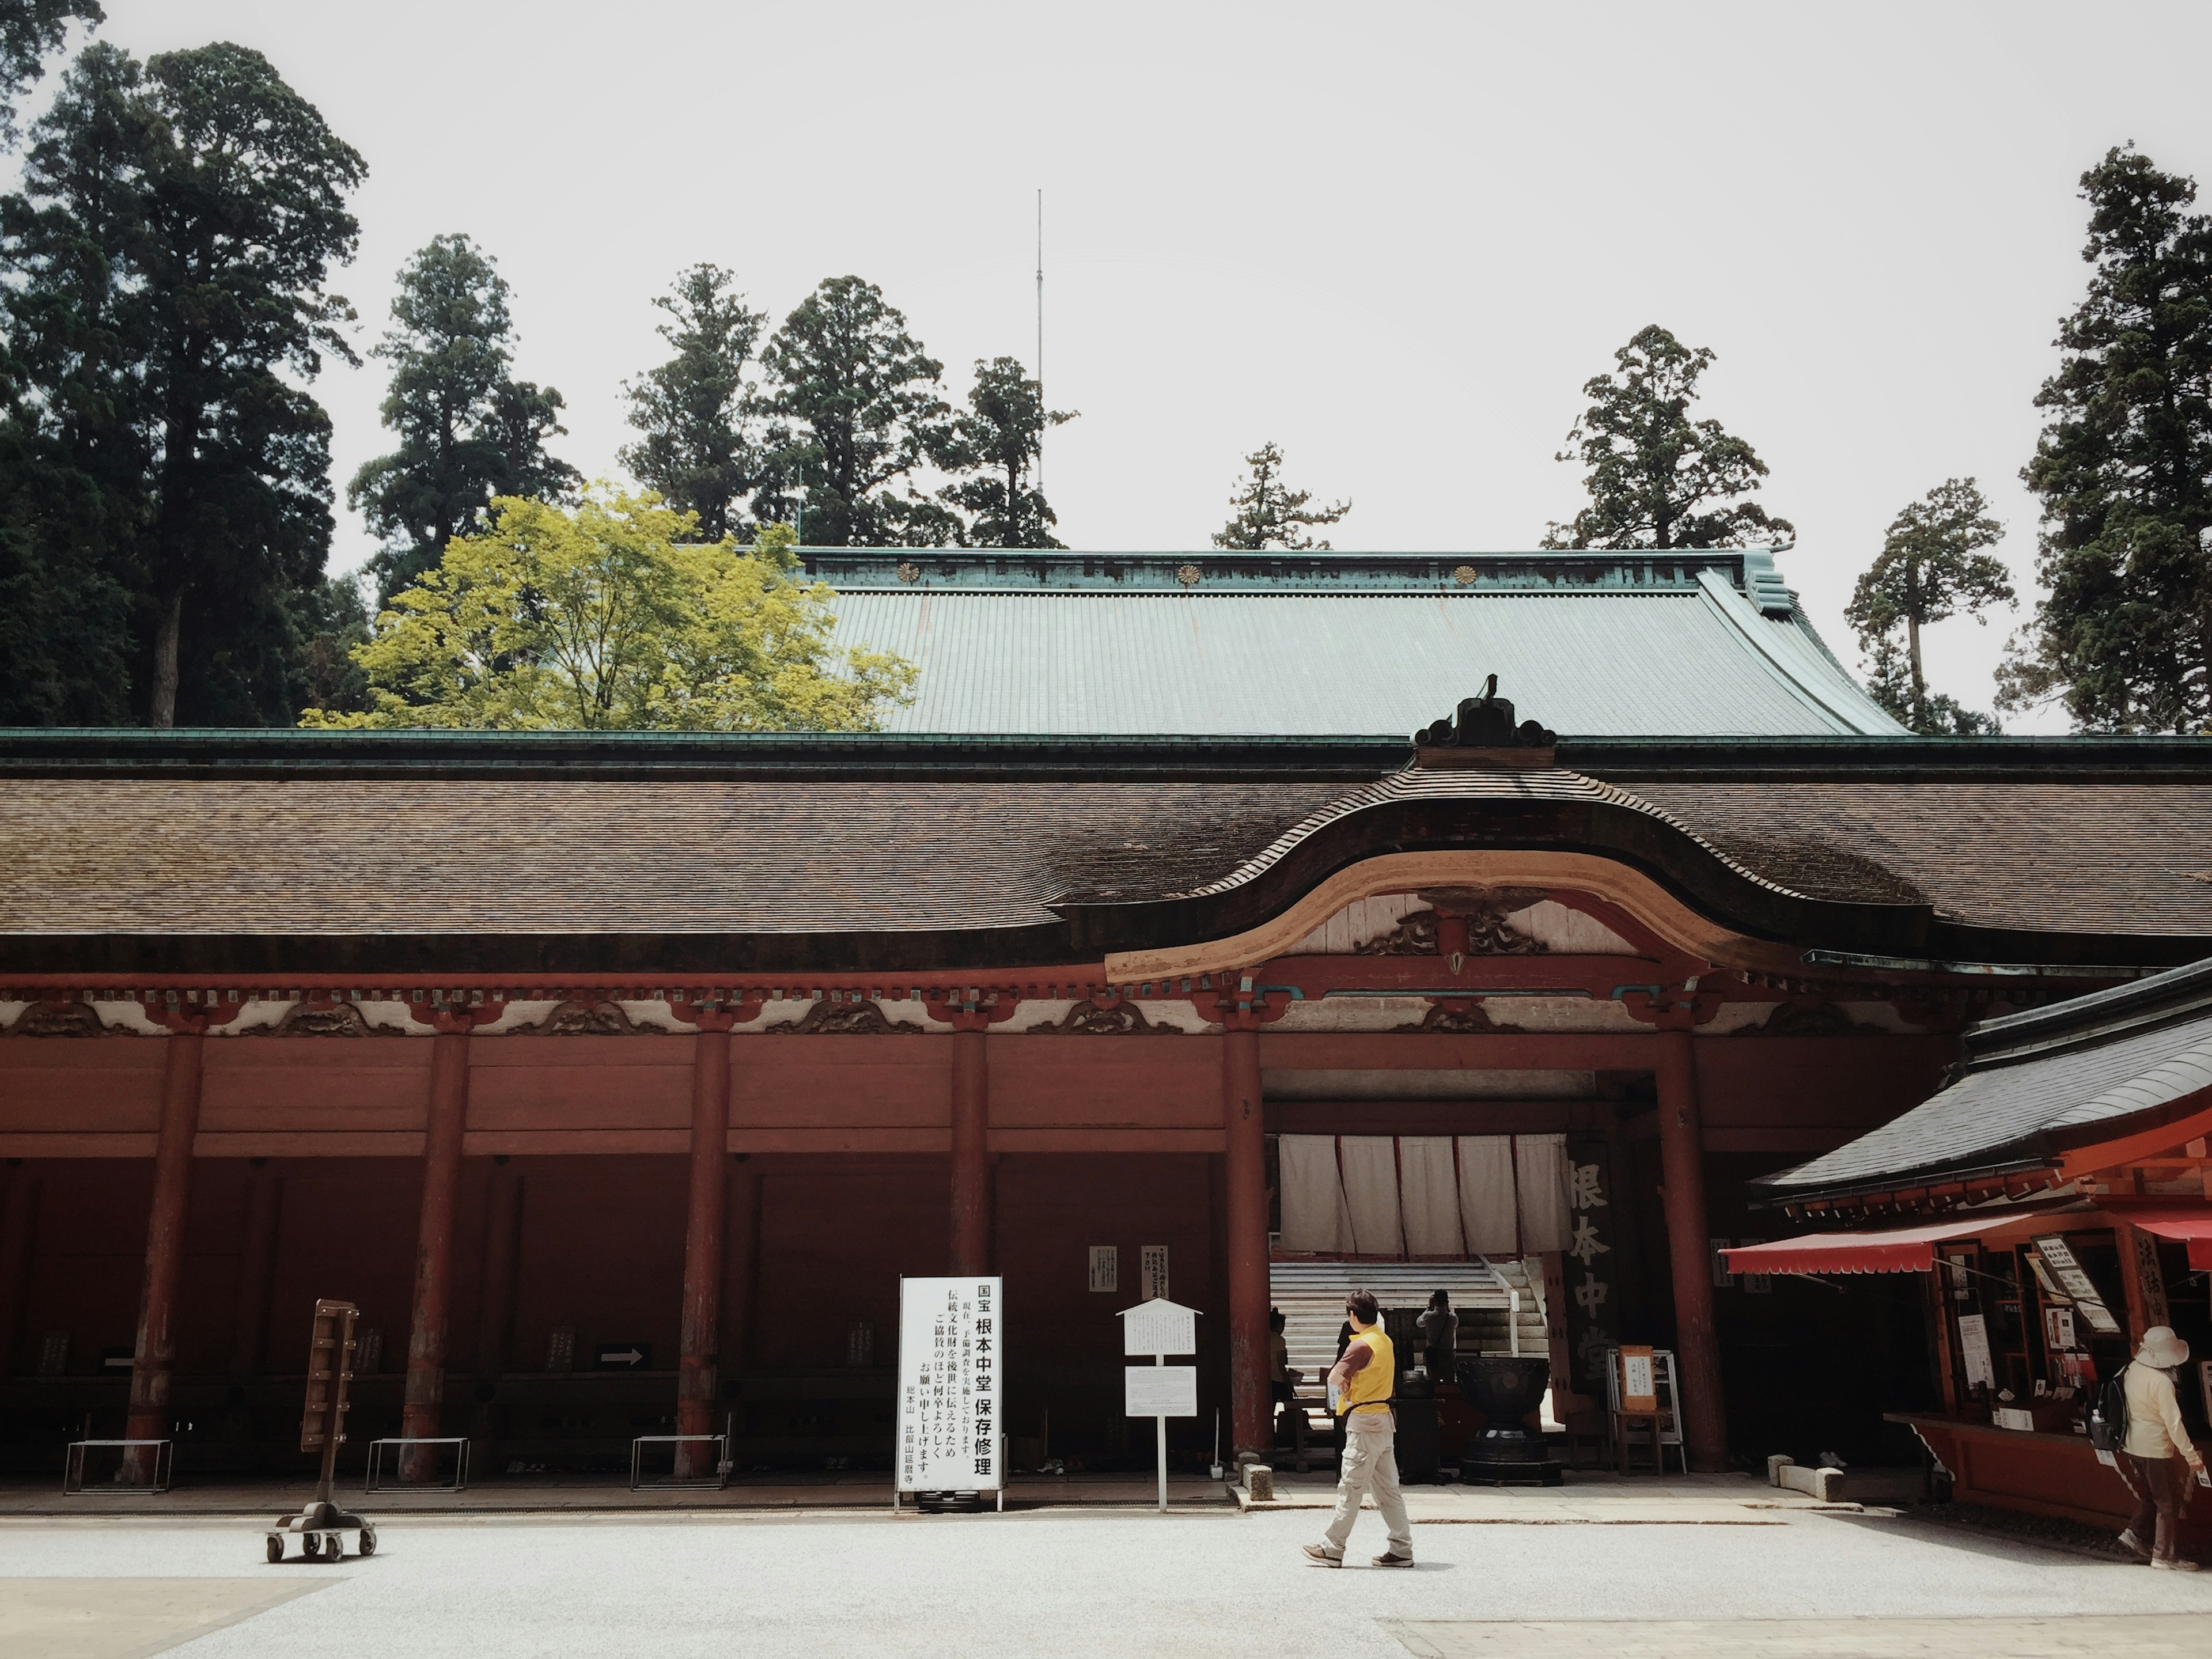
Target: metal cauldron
x,y
1505,1388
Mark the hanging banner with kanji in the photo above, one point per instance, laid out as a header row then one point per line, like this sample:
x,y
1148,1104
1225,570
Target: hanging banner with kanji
x,y
948,1385
1587,1265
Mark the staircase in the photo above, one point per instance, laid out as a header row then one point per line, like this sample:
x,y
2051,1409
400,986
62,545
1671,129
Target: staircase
x,y
1500,1303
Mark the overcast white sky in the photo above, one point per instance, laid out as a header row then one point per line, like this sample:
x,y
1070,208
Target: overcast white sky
x,y
1396,241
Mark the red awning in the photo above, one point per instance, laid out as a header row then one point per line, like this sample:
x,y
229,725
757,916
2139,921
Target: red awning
x,y
1903,1250
2186,1223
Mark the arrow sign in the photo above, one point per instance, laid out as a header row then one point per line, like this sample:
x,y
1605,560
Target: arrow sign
x,y
626,1357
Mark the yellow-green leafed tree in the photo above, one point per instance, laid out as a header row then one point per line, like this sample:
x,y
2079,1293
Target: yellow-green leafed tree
x,y
608,618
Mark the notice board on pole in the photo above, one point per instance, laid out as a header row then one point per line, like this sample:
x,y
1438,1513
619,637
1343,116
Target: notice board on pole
x,y
950,1334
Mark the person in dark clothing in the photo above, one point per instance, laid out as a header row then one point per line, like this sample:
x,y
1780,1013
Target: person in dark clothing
x,y
1282,1380
1439,1328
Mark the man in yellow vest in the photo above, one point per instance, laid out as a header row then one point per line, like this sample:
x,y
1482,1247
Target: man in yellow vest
x,y
1360,1388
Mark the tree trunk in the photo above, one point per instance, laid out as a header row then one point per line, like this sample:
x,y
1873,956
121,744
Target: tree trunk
x,y
1919,685
163,714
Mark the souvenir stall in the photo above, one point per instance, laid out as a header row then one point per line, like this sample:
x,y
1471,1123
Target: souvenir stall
x,y
2058,1209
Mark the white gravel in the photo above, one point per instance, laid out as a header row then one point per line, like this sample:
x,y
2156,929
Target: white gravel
x,y
1062,1582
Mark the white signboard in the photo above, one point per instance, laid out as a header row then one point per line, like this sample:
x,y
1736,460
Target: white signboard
x,y
948,1398
1156,1328
1974,1345
1105,1266
1161,1390
2058,1256
1155,1286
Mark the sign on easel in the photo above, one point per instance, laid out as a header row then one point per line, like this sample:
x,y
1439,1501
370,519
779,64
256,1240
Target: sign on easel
x,y
1639,1382
1160,1327
950,1333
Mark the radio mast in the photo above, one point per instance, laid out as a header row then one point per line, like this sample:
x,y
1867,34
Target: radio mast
x,y
1039,352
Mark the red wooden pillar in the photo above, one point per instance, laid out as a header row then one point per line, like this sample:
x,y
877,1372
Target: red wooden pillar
x,y
256,1266
421,1416
971,1163
1243,1128
17,1238
698,1367
155,1358
1697,1351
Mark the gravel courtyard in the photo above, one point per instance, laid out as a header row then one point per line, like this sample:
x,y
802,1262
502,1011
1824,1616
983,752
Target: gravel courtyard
x,y
1078,1581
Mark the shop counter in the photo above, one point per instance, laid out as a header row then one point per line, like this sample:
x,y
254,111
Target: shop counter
x,y
2053,1474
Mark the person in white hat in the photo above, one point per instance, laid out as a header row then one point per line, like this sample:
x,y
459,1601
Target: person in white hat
x,y
2157,1447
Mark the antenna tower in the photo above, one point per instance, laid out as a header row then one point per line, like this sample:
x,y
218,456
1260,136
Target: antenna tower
x,y
1040,355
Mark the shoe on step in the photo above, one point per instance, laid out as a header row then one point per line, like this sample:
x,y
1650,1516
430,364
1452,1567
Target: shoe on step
x,y
1321,1558
1393,1561
2129,1542
2177,1565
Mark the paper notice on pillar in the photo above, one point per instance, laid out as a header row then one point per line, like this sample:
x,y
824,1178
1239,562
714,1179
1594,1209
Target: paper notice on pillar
x,y
1974,1347
1161,1390
1105,1268
949,1332
1155,1270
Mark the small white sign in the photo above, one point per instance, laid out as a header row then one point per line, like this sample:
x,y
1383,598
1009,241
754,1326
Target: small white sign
x,y
2059,1323
1105,1268
1156,1328
1161,1390
1636,1382
1155,1273
1974,1347
950,1335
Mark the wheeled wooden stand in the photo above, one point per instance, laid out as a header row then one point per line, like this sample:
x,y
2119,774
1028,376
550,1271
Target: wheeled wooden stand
x,y
321,1526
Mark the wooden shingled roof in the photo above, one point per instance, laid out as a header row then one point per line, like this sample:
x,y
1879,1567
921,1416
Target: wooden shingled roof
x,y
130,849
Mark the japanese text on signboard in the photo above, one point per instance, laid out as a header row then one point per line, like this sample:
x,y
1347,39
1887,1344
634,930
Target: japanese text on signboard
x,y
950,1332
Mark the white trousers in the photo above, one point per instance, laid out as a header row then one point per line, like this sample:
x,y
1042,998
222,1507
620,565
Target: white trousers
x,y
1370,1466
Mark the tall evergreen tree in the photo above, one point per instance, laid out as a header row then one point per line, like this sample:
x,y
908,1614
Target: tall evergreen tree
x,y
1932,565
703,447
468,429
864,395
246,189
2124,470
76,429
1657,478
31,31
998,439
1264,514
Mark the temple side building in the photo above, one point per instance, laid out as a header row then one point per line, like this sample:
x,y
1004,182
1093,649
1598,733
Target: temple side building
x,y
619,1077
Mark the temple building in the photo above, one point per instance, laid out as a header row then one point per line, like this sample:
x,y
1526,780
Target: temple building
x,y
1203,917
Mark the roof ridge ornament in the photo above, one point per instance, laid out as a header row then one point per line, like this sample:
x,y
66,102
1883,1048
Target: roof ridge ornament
x,y
1484,733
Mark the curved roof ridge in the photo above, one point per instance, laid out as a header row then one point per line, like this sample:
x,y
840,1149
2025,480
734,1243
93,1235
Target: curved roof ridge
x,y
1416,782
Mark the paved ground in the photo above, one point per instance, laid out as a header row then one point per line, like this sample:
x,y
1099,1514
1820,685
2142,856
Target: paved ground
x,y
1201,1581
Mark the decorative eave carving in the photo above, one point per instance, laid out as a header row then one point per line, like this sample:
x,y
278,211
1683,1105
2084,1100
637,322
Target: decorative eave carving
x,y
56,1019
587,1019
1483,734
1809,1019
338,1019
845,1019
1111,1020
1458,1017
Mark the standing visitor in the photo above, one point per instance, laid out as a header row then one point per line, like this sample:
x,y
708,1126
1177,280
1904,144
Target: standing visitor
x,y
1439,1328
1360,1387
1282,1380
2157,1448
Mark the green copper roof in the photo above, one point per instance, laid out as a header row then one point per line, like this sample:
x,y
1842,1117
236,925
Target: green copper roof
x,y
1707,643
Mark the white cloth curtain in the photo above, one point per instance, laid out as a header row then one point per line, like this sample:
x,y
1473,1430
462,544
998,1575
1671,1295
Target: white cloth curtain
x,y
1486,1194
1315,1217
1430,1191
1541,1161
1370,1187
